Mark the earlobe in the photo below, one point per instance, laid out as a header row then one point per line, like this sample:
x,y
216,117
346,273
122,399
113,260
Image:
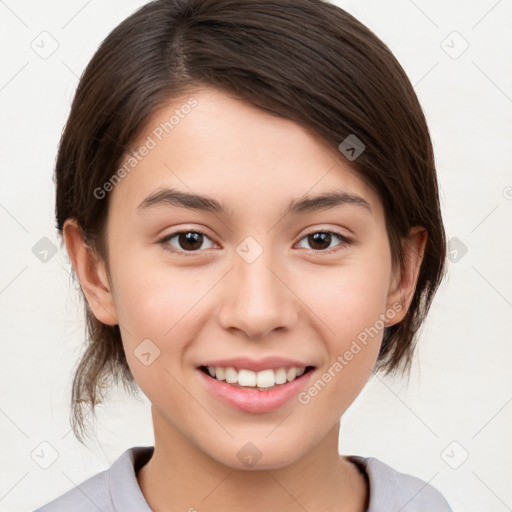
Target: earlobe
x,y
404,285
91,273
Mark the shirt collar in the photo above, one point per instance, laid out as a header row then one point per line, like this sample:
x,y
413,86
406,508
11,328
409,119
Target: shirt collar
x,y
126,494
124,487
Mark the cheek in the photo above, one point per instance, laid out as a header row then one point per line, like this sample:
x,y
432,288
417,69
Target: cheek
x,y
348,297
158,310
151,297
350,305
350,301
162,304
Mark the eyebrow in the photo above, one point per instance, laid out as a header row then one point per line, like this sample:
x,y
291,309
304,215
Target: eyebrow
x,y
303,205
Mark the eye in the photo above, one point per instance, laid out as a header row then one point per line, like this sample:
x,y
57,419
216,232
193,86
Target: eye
x,y
188,241
321,240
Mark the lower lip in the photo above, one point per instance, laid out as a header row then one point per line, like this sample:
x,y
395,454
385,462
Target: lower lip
x,y
252,400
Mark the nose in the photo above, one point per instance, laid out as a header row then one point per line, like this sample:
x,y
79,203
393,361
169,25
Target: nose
x,y
258,299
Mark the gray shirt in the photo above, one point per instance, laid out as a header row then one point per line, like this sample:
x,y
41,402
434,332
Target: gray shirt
x,y
117,490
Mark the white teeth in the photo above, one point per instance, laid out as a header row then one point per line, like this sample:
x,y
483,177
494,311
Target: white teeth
x,y
264,379
231,375
281,376
291,374
248,378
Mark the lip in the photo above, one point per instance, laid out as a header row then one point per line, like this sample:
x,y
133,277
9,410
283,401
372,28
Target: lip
x,y
271,362
252,400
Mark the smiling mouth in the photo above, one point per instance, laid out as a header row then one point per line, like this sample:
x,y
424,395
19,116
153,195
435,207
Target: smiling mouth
x,y
261,381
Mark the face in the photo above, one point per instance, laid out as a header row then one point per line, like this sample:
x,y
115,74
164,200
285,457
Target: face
x,y
245,280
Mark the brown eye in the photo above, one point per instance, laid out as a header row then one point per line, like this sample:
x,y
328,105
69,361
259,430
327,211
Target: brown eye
x,y
187,241
190,241
321,240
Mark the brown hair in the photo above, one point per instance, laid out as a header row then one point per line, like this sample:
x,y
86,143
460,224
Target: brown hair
x,y
305,60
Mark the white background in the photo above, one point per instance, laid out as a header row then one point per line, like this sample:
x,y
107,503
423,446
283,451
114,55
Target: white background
x,y
458,401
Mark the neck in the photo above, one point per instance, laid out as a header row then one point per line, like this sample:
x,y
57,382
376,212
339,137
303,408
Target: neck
x,y
179,476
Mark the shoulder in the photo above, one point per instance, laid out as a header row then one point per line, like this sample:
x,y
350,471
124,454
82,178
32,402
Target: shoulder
x,y
109,491
89,495
391,490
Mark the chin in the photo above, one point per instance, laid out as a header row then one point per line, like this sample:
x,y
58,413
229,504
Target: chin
x,y
258,455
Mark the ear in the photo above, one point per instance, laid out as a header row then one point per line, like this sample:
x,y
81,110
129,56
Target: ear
x,y
403,286
91,273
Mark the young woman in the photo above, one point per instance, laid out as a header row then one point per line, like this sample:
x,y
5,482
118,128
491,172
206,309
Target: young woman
x,y
248,197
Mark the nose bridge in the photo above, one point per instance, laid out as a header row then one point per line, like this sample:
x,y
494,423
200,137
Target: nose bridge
x,y
257,301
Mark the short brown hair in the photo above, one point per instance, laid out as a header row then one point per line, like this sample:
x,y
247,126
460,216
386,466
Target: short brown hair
x,y
305,60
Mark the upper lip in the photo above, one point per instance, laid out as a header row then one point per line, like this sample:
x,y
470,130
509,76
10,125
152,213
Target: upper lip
x,y
256,365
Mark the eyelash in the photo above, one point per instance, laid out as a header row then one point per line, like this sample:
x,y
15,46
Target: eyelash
x,y
164,241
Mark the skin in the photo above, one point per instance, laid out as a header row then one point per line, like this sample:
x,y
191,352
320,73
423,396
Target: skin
x,y
292,301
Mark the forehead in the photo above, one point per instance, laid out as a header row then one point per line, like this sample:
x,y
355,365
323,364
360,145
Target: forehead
x,y
210,143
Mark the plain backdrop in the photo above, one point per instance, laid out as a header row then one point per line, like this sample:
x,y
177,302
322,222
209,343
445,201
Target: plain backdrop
x,y
448,424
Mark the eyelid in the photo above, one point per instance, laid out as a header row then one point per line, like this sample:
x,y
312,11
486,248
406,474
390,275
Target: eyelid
x,y
164,241
345,240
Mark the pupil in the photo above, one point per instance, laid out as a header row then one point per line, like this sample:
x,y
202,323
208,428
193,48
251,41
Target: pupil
x,y
194,240
320,238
